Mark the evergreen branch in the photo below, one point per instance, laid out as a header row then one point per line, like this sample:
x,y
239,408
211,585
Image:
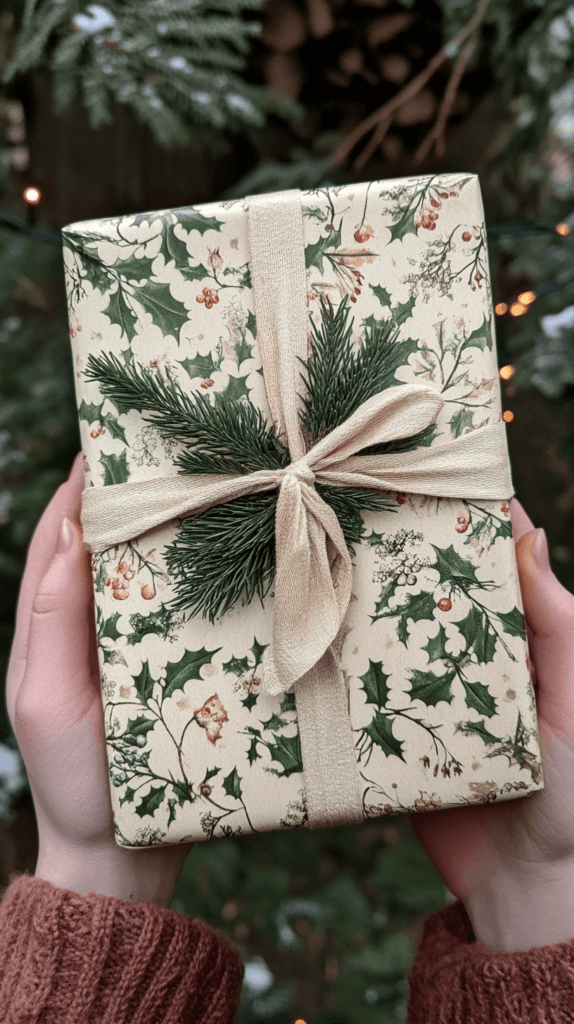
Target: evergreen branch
x,y
338,379
229,437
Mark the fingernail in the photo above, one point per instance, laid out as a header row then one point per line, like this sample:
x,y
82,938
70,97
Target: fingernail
x,y
65,537
540,550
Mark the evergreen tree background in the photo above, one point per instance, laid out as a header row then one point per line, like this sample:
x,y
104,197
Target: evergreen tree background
x,y
124,107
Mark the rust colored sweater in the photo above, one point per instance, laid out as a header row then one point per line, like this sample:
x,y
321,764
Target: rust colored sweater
x,y
66,958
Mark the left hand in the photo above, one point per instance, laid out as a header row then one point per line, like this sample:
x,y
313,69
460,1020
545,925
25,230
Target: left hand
x,y
54,702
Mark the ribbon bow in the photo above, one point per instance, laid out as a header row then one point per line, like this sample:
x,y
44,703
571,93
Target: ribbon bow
x,y
313,575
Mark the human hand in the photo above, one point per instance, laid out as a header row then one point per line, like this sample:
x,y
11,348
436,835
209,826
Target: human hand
x,y
54,703
512,864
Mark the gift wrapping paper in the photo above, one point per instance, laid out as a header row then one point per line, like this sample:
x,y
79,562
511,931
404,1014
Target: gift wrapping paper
x,y
433,648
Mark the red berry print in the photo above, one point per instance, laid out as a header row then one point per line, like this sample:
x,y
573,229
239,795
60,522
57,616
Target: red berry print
x,y
462,527
504,509
400,498
209,296
147,592
466,236
443,195
436,204
329,228
444,604
208,383
120,595
94,433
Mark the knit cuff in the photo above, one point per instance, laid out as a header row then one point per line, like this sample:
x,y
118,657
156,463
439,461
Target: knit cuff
x,y
66,958
457,980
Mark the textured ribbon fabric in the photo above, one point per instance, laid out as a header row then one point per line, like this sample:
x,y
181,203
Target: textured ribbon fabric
x,y
313,574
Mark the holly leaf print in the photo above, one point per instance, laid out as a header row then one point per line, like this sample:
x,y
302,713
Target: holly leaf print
x,y
416,607
478,729
167,313
400,353
287,703
403,311
128,796
380,732
115,468
405,225
287,752
383,600
452,568
127,356
155,622
120,312
109,627
431,689
251,324
133,269
100,579
381,294
235,388
513,622
198,273
98,275
193,220
173,248
257,651
478,633
139,726
199,366
375,684
275,722
242,350
435,645
90,412
315,252
151,802
460,421
250,701
236,666
180,672
232,784
252,753
210,774
144,683
481,337
171,804
113,426
478,697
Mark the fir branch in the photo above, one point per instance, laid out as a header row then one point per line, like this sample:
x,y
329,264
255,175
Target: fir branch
x,y
347,504
229,437
338,379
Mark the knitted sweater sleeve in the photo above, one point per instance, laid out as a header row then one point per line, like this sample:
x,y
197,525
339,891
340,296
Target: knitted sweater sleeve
x,y
66,958
457,980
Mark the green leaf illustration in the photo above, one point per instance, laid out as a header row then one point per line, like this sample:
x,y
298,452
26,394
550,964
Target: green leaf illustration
x,y
481,337
236,666
513,622
171,804
120,312
173,248
110,423
116,469
386,593
287,703
243,350
178,673
100,579
235,388
375,684
416,607
478,633
403,311
477,696
431,689
193,220
151,802
405,225
251,324
210,774
460,421
128,796
98,275
109,627
139,726
133,269
478,729
275,722
252,753
380,731
127,356
435,645
381,294
198,273
452,567
168,314
287,751
90,411
400,354
315,252
144,683
199,366
257,651
232,784
155,622
250,701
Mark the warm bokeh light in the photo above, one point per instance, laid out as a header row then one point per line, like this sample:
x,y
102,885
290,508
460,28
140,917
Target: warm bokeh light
x,y
562,229
506,372
32,195
508,416
526,298
518,309
300,1021
501,308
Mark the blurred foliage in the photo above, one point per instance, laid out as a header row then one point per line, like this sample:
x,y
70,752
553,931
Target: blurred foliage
x,y
327,921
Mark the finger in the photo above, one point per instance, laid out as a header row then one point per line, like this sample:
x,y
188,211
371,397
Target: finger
x,y
521,522
66,501
58,664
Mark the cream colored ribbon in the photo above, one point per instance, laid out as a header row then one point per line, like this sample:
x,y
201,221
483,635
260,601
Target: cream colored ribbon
x,y
313,568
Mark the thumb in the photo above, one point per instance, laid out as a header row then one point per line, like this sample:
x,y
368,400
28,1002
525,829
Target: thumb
x,y
58,663
549,614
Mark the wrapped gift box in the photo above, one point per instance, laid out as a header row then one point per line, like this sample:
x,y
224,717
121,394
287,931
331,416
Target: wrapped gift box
x,y
432,648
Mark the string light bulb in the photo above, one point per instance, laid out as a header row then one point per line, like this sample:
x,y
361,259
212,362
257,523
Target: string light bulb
x,y
508,416
562,229
501,308
527,298
32,195
518,309
506,372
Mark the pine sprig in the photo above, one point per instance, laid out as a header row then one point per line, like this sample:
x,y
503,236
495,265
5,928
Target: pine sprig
x,y
228,437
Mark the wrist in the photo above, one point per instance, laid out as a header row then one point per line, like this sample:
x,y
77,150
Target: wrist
x,y
138,876
524,910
